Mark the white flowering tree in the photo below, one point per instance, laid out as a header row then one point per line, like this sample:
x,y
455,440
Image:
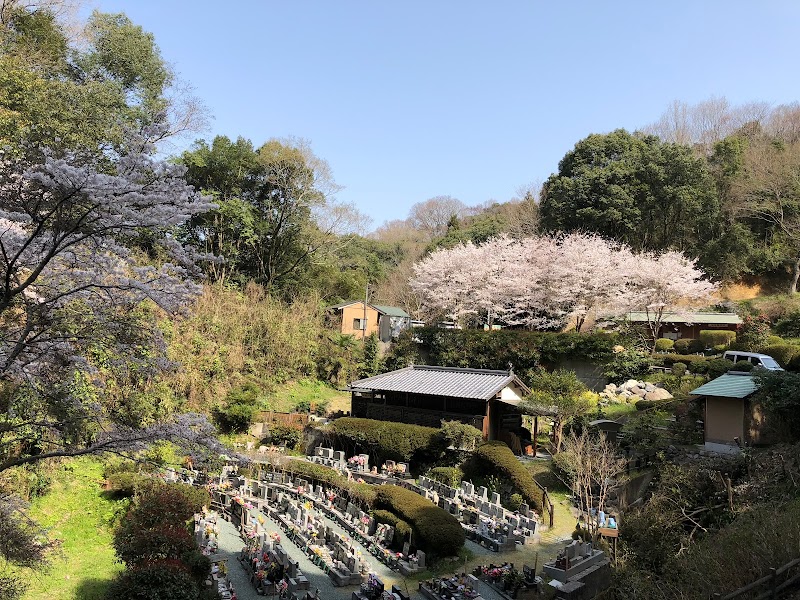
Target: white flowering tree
x,y
86,246
665,283
543,282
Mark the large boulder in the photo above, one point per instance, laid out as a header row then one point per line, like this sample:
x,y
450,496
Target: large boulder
x,y
658,394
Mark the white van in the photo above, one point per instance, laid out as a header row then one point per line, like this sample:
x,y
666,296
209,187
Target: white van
x,y
759,360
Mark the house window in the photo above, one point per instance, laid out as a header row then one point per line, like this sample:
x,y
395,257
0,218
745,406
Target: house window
x,y
360,324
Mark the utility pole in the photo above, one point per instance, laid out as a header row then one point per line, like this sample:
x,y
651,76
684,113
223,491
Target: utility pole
x,y
364,320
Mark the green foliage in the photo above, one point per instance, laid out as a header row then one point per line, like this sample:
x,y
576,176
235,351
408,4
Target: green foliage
x,y
497,458
461,435
687,359
627,364
635,189
162,580
401,528
451,476
435,530
752,334
678,368
125,483
479,349
712,338
682,345
384,440
371,363
718,366
358,492
789,325
664,344
779,394
284,435
514,502
783,353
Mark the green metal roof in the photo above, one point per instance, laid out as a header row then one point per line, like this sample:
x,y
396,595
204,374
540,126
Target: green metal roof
x,y
728,386
690,317
392,311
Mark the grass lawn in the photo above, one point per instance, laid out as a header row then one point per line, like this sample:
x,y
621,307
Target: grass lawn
x,y
75,512
288,396
615,411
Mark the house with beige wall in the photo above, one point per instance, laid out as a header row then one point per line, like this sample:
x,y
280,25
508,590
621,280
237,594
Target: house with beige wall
x,y
362,320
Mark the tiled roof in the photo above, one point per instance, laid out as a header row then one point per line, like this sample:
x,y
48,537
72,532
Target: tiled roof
x,y
728,386
480,384
689,317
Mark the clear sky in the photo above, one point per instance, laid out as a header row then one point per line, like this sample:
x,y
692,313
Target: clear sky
x,y
412,99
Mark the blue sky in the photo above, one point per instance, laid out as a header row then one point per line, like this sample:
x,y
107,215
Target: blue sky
x,y
414,99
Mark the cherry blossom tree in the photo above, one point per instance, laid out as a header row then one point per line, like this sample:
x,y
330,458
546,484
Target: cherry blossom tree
x,y
544,282
659,284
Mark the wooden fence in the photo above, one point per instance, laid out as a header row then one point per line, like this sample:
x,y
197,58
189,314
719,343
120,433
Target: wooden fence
x,y
772,584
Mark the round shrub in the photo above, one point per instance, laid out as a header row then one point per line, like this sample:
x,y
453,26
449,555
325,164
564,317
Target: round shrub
x,y
435,530
664,344
699,367
166,542
123,484
514,502
719,366
284,435
678,369
682,345
696,346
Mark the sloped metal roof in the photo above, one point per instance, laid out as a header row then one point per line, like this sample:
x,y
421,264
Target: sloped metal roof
x,y
691,317
478,384
728,386
392,311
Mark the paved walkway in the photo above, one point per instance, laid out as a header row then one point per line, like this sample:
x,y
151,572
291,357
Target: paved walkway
x,y
230,545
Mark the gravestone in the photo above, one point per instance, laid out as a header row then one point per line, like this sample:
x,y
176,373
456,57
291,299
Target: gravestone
x,y
495,498
420,559
523,509
469,489
483,493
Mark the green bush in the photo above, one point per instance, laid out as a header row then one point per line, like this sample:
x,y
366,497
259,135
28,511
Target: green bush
x,y
284,435
719,366
435,530
696,346
385,440
401,528
234,418
496,458
664,344
648,404
124,483
358,492
447,475
699,367
670,359
783,353
742,365
715,337
678,368
163,580
682,345
514,502
628,364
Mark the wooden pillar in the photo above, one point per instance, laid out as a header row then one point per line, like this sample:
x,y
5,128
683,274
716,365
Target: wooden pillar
x,y
486,421
535,433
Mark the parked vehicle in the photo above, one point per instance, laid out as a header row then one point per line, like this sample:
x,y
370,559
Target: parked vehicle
x,y
754,358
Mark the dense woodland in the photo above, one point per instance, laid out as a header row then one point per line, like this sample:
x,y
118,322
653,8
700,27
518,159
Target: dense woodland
x,y
144,299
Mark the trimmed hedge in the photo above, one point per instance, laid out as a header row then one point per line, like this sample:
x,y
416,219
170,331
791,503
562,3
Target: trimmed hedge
x,y
716,337
670,359
664,344
435,530
360,492
385,440
165,580
496,458
401,528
